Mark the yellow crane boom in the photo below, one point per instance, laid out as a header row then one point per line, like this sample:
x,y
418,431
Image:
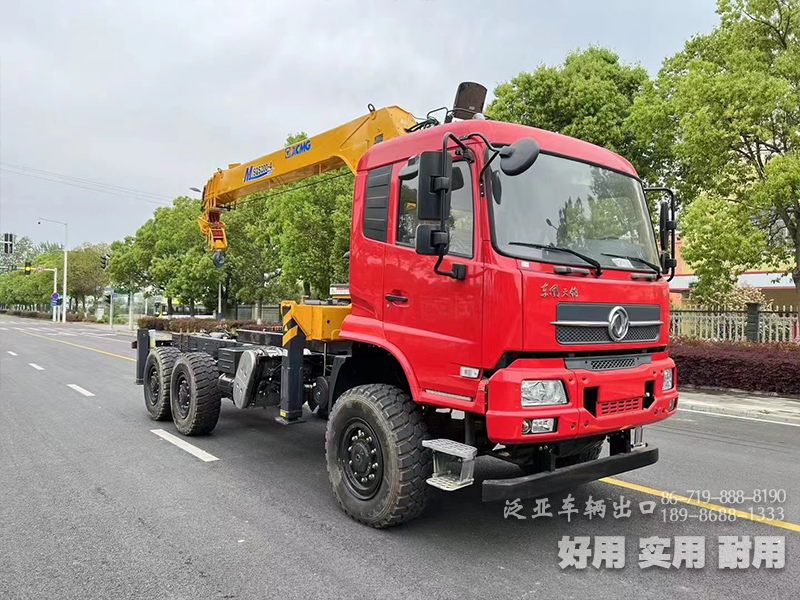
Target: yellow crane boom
x,y
342,146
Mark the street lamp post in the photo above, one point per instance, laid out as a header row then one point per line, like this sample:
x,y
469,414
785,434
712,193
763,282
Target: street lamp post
x,y
64,291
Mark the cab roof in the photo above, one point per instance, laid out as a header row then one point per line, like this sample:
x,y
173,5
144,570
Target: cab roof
x,y
497,132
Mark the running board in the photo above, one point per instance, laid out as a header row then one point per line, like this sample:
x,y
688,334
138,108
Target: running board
x,y
453,464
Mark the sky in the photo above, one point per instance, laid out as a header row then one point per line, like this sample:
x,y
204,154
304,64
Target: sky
x,y
152,97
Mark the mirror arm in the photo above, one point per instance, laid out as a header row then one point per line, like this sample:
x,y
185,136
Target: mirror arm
x,y
458,272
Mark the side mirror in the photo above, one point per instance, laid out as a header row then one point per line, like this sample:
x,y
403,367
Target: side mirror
x,y
663,220
435,170
667,227
519,156
430,239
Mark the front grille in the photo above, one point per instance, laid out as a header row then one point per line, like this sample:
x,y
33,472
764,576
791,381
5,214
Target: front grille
x,y
613,363
614,407
570,334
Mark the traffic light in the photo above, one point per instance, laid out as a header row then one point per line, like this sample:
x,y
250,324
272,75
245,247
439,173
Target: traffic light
x,y
27,267
8,243
104,261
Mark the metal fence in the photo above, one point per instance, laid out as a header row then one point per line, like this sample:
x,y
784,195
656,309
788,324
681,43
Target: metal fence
x,y
753,324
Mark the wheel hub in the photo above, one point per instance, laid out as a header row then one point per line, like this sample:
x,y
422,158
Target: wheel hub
x,y
361,459
184,397
153,386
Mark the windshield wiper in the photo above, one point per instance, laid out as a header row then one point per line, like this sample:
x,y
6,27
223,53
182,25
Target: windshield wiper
x,y
637,259
598,269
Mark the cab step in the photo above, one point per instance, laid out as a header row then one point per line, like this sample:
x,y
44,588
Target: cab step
x,y
453,464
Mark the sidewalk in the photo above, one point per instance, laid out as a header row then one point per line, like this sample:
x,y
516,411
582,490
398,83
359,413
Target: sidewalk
x,y
768,408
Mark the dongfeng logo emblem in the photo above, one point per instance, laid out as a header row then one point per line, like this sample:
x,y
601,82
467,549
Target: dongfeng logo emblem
x,y
618,323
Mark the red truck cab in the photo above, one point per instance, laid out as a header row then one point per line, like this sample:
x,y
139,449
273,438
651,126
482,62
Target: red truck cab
x,y
543,345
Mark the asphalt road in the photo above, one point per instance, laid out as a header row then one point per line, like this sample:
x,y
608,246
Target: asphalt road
x,y
95,505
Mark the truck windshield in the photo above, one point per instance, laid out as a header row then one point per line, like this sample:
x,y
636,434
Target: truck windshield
x,y
564,203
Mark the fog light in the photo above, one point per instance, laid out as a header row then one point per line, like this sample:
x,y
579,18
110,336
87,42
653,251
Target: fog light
x,y
668,381
538,426
542,393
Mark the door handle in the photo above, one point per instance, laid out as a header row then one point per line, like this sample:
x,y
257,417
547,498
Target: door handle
x,y
395,298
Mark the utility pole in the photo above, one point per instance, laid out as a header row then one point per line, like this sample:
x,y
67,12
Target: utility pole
x,y
219,302
130,311
55,292
66,251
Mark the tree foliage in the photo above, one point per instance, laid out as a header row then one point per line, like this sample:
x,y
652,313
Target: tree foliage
x,y
724,118
588,97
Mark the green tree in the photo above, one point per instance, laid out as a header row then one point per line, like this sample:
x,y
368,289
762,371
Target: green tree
x,y
24,250
719,241
724,116
177,260
126,268
588,97
86,277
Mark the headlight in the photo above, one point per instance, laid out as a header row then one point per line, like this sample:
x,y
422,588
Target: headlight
x,y
669,380
543,393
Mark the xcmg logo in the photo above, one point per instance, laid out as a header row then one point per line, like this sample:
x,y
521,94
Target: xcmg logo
x,y
298,148
257,171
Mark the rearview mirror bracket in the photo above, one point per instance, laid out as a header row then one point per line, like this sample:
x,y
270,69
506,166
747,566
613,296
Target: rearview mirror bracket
x,y
667,227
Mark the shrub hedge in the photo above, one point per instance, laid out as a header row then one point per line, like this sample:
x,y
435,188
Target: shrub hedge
x,y
767,368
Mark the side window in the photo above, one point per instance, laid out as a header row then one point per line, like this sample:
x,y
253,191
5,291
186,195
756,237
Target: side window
x,y
376,203
459,221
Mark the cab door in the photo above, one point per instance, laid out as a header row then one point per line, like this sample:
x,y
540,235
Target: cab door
x,y
435,320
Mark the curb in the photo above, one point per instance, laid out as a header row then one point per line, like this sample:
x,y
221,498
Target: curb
x,y
739,412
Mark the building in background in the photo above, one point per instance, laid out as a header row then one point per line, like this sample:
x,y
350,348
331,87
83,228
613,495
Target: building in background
x,y
778,288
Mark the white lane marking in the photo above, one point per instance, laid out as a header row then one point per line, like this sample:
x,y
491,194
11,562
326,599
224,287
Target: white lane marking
x,y
19,328
193,450
12,353
3,329
37,367
79,389
713,414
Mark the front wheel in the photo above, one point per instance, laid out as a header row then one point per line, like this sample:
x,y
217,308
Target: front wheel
x,y
376,462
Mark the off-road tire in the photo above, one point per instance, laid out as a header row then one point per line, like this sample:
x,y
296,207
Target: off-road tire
x,y
195,409
397,421
157,375
590,453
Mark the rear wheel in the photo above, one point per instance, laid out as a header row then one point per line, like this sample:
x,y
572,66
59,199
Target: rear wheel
x,y
376,462
194,396
157,374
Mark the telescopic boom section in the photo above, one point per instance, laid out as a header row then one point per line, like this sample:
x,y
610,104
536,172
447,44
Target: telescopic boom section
x,y
333,149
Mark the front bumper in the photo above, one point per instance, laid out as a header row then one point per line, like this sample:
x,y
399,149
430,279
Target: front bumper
x,y
550,482
634,394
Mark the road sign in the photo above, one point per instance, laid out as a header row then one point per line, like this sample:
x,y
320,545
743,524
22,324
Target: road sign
x,y
54,301
109,289
116,296
54,296
40,269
